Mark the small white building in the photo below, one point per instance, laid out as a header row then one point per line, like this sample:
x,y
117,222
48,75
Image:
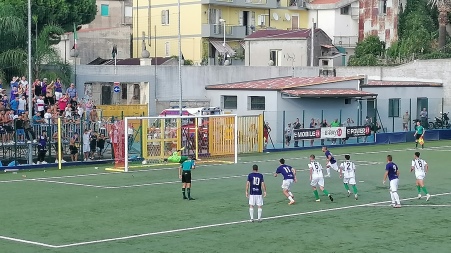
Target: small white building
x,y
287,48
282,100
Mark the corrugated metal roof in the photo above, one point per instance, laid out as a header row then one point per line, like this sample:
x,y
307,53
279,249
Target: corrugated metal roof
x,y
219,45
328,93
377,83
280,83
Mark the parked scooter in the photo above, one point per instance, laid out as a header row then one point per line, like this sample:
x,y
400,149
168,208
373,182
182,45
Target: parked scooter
x,y
442,121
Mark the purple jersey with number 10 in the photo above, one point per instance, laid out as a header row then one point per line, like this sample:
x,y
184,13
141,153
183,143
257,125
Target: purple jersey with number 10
x,y
392,169
286,171
255,180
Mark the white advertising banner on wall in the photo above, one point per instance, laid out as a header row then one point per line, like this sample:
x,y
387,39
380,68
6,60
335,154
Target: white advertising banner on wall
x,y
333,132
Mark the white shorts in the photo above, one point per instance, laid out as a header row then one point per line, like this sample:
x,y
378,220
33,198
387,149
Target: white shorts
x,y
58,95
286,184
334,166
255,200
317,181
420,176
86,148
394,185
349,180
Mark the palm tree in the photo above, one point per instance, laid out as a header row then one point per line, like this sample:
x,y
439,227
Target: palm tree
x,y
443,7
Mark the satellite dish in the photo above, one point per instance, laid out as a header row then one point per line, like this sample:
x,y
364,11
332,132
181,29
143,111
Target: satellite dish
x,y
275,16
287,17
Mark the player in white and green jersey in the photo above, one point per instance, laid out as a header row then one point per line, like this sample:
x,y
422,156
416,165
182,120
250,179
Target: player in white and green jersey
x,y
420,167
317,178
347,171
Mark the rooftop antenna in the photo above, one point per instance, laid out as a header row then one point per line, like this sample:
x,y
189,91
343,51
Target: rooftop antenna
x,y
291,58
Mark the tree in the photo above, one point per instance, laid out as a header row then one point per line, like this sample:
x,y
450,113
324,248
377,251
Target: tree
x,y
14,55
444,7
367,52
63,13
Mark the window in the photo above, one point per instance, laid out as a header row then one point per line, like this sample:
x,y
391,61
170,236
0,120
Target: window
x,y
165,17
382,7
276,57
262,20
345,10
256,103
229,102
136,92
167,49
124,91
348,101
393,107
104,10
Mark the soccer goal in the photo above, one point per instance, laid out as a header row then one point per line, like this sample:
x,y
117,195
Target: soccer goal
x,y
207,138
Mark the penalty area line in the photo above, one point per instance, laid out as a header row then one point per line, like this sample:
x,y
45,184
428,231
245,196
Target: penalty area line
x,y
7,238
229,223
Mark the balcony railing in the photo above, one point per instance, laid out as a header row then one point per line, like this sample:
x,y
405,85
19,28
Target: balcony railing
x,y
296,4
346,41
217,31
264,4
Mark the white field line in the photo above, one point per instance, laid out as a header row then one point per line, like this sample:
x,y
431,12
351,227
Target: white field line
x,y
174,168
229,223
7,238
374,204
159,183
404,205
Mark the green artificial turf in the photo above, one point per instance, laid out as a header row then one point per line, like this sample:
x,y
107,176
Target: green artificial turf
x,y
84,204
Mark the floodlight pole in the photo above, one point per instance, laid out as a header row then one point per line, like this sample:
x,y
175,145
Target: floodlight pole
x,y
180,60
30,78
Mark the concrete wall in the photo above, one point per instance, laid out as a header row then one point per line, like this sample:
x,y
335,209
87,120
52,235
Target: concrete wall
x,y
291,49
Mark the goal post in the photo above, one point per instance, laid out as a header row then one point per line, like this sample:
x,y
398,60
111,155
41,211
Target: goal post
x,y
207,138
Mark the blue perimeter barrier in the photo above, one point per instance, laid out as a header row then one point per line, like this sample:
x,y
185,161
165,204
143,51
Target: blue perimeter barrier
x,y
387,138
401,137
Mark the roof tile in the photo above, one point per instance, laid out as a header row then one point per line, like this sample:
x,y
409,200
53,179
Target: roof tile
x,y
281,83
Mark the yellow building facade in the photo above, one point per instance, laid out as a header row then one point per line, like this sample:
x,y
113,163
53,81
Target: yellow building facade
x,y
204,23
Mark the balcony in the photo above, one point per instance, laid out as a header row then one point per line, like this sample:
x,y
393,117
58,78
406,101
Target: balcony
x,y
258,4
296,4
217,31
346,41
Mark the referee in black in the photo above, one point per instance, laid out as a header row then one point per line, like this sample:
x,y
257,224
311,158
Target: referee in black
x,y
185,175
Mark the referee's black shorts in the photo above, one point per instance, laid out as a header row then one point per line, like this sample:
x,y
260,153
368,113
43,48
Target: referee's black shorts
x,y
186,176
417,136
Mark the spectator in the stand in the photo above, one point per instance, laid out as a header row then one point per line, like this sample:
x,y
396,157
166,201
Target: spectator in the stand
x,y
62,103
86,146
80,111
22,104
15,105
29,133
266,131
93,118
13,93
296,126
73,142
49,94
20,132
2,129
288,135
44,87
72,91
40,105
424,118
42,147
24,83
101,144
93,145
323,124
68,113
48,117
405,121
15,82
348,123
58,89
37,119
313,124
37,87
88,107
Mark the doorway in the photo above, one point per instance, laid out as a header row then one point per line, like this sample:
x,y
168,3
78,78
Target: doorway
x,y
106,95
422,103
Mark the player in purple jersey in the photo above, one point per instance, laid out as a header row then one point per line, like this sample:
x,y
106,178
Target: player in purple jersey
x,y
331,162
289,176
255,191
392,172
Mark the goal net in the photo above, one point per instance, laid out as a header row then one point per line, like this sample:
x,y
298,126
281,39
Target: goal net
x,y
166,140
